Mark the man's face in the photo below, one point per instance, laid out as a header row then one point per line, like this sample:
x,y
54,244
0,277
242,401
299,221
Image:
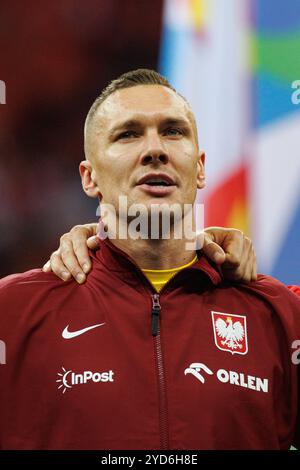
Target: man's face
x,y
143,145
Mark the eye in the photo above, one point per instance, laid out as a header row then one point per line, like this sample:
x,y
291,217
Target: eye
x,y
173,131
127,135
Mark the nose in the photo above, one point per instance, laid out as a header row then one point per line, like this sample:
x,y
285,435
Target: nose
x,y
154,151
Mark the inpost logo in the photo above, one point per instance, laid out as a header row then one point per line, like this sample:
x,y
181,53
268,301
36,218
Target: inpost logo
x,y
2,92
67,378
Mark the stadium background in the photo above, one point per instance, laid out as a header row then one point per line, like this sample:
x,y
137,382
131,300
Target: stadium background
x,y
235,61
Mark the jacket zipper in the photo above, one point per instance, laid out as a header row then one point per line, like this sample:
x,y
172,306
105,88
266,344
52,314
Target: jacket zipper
x,y
156,308
155,330
163,410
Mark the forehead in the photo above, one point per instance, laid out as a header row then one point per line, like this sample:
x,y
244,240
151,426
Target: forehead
x,y
148,101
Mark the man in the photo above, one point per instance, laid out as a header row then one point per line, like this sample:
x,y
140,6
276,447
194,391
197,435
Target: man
x,y
192,363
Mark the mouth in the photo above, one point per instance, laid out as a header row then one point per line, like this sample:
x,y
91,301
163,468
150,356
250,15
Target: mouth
x,y
159,179
157,184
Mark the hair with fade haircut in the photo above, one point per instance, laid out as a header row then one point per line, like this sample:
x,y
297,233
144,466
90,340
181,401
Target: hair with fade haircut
x,y
128,80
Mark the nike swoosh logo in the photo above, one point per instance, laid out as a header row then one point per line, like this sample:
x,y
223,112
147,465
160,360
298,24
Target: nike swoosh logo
x,y
72,334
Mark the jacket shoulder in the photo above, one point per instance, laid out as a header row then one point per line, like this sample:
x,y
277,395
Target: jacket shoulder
x,y
27,297
23,290
29,279
282,301
268,285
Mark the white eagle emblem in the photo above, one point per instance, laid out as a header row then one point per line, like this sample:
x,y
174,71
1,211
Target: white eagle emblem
x,y
230,332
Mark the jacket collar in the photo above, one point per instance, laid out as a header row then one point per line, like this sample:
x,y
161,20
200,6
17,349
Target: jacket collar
x,y
116,260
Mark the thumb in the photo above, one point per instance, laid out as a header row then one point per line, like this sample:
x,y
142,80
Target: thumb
x,y
214,252
93,243
47,267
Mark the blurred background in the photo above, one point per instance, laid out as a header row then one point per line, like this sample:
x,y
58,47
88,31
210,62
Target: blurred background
x,y
234,60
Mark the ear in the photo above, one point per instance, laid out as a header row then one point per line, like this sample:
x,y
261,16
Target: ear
x,y
201,170
88,179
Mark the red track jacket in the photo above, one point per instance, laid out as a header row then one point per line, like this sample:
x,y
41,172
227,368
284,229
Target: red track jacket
x,y
111,364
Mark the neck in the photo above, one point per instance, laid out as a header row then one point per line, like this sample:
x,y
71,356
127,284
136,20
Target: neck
x,y
157,253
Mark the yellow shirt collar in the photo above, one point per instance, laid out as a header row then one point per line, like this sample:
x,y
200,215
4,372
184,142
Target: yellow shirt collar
x,y
159,277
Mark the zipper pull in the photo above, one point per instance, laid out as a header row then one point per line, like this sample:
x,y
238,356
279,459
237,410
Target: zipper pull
x,y
156,308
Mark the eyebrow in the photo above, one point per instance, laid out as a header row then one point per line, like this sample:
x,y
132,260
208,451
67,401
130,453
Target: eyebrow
x,y
134,123
123,125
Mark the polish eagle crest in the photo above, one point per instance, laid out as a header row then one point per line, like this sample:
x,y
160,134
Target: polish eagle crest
x,y
230,332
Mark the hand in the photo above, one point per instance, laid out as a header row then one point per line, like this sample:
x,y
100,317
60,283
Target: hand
x,y
226,247
230,248
72,257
